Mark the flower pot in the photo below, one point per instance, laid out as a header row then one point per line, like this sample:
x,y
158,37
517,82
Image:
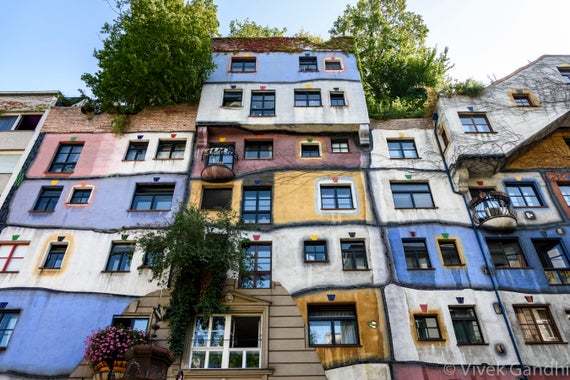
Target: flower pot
x,y
101,370
148,362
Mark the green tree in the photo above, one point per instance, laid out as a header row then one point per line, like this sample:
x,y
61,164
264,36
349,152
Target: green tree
x,y
193,257
156,52
397,67
248,28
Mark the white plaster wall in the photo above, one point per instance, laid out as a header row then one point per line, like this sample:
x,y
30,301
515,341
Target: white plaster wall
x,y
368,371
83,264
211,110
542,355
449,207
429,156
294,274
15,140
401,302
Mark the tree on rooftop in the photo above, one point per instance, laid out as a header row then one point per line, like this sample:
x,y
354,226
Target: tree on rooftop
x,y
397,67
156,52
248,28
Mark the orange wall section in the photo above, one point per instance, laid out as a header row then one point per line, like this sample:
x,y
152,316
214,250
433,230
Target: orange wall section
x,y
550,152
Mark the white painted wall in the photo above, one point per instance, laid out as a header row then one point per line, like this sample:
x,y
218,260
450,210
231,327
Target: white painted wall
x,y
368,371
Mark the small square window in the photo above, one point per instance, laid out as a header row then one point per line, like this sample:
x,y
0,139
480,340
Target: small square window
x,y
565,72
48,198
8,321
258,150
337,99
353,255
339,145
333,65
136,151
243,65
402,149
55,256
80,196
449,252
523,195
310,150
427,327
336,198
522,100
120,257
308,98
216,199
66,158
130,322
28,122
170,149
307,64
416,253
232,98
262,103
315,251
444,138
475,123
153,197
332,325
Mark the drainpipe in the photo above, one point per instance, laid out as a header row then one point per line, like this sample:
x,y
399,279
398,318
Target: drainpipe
x,y
480,244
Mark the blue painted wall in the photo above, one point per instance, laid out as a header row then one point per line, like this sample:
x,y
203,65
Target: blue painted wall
x,y
283,67
49,337
108,209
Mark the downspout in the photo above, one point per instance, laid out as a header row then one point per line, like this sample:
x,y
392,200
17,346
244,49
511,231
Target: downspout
x,y
480,244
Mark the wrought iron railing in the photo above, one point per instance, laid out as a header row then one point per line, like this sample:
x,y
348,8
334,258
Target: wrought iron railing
x,y
224,156
491,205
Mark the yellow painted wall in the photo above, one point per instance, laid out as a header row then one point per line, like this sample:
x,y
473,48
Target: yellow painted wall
x,y
550,152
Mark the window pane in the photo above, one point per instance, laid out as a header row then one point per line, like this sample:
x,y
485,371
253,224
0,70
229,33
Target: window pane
x,y
422,200
345,332
236,358
7,122
198,359
320,332
215,359
403,200
252,359
217,336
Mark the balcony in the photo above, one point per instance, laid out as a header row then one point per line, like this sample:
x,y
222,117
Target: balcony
x,y
493,210
559,276
218,164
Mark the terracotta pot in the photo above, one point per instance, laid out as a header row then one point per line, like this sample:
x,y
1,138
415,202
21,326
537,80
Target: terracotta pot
x,y
101,370
148,362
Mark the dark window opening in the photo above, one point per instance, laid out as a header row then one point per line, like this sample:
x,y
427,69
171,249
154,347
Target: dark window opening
x,y
333,65
506,253
262,103
232,98
28,122
8,321
308,64
243,65
336,198
466,325
308,98
449,252
256,205
522,100
66,158
55,256
258,150
310,150
337,99
315,251
416,253
339,146
170,150
427,327
475,123
120,257
353,255
245,332
332,325
412,195
48,198
402,149
256,273
133,323
153,197
565,72
80,196
136,151
216,199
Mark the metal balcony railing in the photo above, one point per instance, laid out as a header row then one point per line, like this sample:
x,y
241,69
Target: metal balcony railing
x,y
493,209
224,156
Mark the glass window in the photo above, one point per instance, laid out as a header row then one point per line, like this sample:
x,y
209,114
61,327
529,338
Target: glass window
x,y
55,256
475,123
565,191
308,64
506,253
221,155
257,271
554,260
333,65
149,259
232,98
308,98
337,99
315,251
537,324
66,158
256,205
258,150
449,252
243,65
133,323
332,325
336,198
310,150
402,149
416,253
565,72
28,122
466,325
226,341
136,151
120,257
48,198
216,199
522,100
427,327
153,197
353,255
8,321
339,145
262,103
411,195
7,122
170,149
523,195
80,196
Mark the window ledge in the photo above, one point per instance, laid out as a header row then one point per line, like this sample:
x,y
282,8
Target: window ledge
x,y
472,344
115,271
135,210
356,270
539,343
247,373
231,108
415,208
168,159
513,268
431,340
125,160
34,212
421,269
141,267
9,271
335,345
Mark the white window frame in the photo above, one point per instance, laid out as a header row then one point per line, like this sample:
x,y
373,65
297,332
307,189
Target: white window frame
x,y
19,119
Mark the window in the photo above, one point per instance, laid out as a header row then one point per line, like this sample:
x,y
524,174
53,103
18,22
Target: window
x,y
47,200
120,257
55,256
10,256
221,155
523,195
537,324
28,122
308,98
427,327
170,150
258,150
243,65
332,325
336,198
475,123
308,64
66,158
522,100
8,321
444,138
128,322
412,195
554,260
315,251
333,65
136,151
80,196
402,149
449,252
257,271
506,253
153,197
216,199
256,207
565,191
226,341
232,98
565,72
337,99
310,150
262,103
353,255
7,122
466,325
149,259
339,145
416,253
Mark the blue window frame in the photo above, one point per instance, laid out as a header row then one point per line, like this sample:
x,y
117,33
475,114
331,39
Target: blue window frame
x,y
8,321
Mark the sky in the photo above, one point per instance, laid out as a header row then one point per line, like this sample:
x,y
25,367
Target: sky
x,y
47,45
